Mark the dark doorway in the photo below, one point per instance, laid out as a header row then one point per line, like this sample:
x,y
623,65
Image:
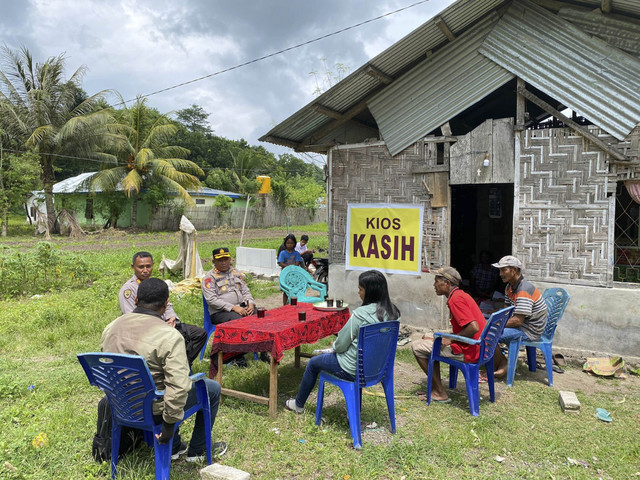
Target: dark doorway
x,y
481,219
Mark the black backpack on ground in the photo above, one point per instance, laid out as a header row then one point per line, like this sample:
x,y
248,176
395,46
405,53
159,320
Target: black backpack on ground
x,y
129,439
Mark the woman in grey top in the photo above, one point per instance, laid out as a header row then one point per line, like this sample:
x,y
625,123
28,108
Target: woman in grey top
x,y
376,307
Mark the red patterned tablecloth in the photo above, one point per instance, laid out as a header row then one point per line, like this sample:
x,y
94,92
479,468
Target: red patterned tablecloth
x,y
278,331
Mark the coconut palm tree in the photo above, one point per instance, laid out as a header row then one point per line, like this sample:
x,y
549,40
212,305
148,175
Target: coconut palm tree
x,y
146,158
41,112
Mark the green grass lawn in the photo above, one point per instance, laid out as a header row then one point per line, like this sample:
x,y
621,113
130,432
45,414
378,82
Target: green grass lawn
x,y
523,435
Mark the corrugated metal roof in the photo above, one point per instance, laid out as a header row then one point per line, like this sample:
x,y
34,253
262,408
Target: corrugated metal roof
x,y
75,184
78,184
617,6
614,30
584,73
438,89
394,60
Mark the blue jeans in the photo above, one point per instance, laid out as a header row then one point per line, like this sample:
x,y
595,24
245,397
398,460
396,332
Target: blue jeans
x,y
509,334
197,445
327,362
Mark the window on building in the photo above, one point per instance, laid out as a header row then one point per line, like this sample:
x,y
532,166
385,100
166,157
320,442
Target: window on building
x,y
199,201
627,237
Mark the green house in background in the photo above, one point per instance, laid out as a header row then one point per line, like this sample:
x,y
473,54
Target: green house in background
x,y
92,208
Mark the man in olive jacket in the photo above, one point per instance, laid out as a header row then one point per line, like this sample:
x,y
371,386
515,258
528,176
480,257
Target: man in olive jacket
x,y
143,332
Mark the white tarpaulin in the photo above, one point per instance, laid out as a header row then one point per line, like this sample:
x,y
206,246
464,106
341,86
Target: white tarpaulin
x,y
188,259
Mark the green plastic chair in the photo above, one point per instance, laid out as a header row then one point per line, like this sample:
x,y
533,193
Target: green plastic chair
x,y
295,281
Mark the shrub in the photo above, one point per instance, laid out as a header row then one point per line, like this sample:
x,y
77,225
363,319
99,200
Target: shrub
x,y
40,271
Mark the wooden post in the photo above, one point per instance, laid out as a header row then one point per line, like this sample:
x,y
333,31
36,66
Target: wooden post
x,y
219,373
520,106
296,361
245,219
273,388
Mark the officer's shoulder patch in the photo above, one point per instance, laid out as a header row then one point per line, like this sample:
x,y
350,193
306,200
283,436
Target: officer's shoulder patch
x,y
207,282
127,293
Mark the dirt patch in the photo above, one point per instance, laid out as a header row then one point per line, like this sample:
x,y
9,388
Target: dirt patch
x,y
117,238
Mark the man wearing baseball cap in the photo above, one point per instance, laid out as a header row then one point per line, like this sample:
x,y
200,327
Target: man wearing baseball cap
x,y
530,314
466,320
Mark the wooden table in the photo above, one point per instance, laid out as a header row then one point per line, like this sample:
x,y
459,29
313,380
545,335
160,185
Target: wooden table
x,y
277,332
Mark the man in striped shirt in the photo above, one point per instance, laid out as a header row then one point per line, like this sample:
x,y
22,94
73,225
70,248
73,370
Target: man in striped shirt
x,y
530,314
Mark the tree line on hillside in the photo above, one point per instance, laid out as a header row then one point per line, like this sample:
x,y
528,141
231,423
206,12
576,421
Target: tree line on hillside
x,y
51,129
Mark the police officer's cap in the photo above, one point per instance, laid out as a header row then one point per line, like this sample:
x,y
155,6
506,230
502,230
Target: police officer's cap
x,y
220,253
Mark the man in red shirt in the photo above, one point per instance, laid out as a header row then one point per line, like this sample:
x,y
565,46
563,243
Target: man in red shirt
x,y
466,320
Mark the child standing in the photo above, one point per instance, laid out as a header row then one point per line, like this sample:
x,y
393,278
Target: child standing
x,y
289,256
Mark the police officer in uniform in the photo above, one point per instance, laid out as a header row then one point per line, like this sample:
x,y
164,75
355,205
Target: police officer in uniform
x,y
225,290
142,265
227,294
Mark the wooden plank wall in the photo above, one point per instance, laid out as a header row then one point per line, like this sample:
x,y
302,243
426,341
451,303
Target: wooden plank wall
x,y
492,141
563,218
369,174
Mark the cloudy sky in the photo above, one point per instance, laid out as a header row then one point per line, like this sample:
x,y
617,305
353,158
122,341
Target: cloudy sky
x,y
138,47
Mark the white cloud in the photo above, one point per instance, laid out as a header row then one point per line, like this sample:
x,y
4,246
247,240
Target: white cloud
x,y
141,46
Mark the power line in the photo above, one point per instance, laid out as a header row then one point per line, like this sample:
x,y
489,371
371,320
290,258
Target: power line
x,y
102,162
279,52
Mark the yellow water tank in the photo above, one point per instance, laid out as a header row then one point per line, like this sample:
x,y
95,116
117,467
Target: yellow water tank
x,y
265,183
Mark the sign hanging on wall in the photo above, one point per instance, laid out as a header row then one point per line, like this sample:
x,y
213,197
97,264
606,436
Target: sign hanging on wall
x,y
386,237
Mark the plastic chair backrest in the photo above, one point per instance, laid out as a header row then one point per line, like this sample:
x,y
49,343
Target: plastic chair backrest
x,y
295,280
376,351
208,326
127,382
557,300
492,332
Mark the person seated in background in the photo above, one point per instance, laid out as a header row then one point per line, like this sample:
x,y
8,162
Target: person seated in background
x,y
289,256
529,315
142,265
225,291
227,295
305,253
484,278
342,362
466,321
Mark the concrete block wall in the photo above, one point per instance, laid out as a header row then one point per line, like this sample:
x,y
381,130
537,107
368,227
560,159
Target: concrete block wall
x,y
261,261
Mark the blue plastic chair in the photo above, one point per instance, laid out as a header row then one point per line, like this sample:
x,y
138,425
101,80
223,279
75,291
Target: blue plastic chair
x,y
557,300
208,326
488,342
211,328
294,282
131,391
376,355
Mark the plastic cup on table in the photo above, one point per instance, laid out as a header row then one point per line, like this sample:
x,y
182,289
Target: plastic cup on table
x,y
294,300
330,302
338,303
261,311
302,316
